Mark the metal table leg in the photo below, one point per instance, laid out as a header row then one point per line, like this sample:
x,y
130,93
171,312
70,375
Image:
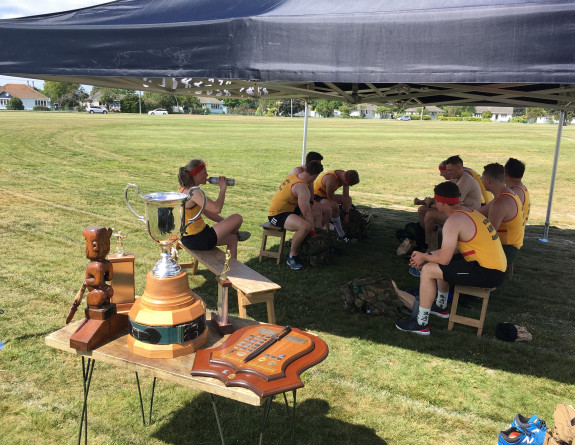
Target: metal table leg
x,y
217,418
142,402
87,370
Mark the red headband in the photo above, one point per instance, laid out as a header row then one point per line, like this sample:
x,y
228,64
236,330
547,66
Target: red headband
x,y
198,169
442,167
446,200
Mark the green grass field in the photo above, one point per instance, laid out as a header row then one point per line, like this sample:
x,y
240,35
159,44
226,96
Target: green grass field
x,y
60,173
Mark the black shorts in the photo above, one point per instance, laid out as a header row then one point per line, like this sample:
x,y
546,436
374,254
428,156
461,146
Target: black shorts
x,y
280,219
318,198
205,240
470,273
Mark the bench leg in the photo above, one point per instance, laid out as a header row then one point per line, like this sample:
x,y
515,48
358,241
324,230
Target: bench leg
x,y
241,308
271,312
245,300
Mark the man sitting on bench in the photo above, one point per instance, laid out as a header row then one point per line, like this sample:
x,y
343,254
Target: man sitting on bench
x,y
324,189
514,170
505,212
290,209
481,261
317,208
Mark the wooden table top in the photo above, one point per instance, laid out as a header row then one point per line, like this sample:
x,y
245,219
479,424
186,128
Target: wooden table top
x,y
176,370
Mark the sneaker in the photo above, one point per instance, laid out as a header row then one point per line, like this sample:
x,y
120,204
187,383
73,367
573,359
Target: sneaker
x,y
517,436
243,236
294,263
347,239
441,313
411,325
414,272
534,425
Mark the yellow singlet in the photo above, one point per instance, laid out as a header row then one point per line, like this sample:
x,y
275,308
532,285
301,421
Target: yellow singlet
x,y
486,196
527,203
485,246
284,200
198,225
319,187
511,232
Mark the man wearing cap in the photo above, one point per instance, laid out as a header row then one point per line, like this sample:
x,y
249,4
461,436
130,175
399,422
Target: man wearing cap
x,y
325,187
481,261
505,212
514,170
290,209
318,209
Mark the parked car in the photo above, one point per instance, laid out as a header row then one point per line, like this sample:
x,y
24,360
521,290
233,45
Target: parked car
x,y
404,118
158,111
96,109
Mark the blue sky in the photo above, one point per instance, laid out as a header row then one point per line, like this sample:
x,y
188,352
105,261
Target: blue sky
x,y
22,8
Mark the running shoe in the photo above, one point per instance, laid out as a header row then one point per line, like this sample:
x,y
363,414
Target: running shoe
x,y
414,272
515,436
347,239
441,313
533,425
411,325
294,263
243,236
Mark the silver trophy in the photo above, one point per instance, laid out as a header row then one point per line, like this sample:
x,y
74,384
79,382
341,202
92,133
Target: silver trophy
x,y
165,222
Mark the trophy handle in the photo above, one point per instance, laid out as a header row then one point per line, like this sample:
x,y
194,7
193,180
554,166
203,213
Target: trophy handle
x,y
191,220
130,186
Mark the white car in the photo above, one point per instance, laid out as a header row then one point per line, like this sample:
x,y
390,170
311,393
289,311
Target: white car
x,y
158,111
96,109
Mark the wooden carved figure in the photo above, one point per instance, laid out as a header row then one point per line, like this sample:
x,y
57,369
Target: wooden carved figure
x,y
99,271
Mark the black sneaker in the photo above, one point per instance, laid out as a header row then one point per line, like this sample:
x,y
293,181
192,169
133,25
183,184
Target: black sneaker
x,y
411,325
441,313
243,236
294,263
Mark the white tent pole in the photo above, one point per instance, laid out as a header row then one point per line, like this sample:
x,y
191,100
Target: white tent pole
x,y
551,188
303,151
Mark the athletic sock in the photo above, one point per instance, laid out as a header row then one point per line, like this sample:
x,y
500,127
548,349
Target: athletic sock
x,y
423,316
337,223
441,300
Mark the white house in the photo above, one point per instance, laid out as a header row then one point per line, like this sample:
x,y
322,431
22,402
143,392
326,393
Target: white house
x,y
432,110
28,95
367,111
499,114
215,106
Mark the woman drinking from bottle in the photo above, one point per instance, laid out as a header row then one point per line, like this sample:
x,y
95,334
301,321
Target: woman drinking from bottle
x,y
198,235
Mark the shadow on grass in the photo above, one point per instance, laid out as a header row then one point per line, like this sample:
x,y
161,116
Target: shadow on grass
x,y
196,423
535,298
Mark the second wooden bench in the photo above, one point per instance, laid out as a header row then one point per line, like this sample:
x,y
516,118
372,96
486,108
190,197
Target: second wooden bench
x,y
251,286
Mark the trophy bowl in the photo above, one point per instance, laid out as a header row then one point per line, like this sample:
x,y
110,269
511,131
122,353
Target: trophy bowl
x,y
165,222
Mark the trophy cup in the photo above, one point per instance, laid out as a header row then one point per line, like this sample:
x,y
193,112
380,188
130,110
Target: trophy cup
x,y
168,320
220,319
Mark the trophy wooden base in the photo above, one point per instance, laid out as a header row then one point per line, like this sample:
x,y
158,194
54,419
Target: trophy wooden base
x,y
99,326
218,325
166,302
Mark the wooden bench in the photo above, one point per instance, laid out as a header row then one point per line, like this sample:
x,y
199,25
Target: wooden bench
x,y
251,286
270,230
480,292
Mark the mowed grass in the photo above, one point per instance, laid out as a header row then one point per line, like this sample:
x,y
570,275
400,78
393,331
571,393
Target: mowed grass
x,y
60,173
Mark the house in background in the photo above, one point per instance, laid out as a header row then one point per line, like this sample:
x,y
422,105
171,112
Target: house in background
x,y
215,106
367,111
433,111
95,99
28,95
499,114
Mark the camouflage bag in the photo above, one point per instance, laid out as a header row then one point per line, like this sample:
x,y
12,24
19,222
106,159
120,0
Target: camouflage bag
x,y
358,224
374,296
316,250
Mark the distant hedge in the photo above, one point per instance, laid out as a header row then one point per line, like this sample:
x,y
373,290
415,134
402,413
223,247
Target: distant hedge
x,y
40,108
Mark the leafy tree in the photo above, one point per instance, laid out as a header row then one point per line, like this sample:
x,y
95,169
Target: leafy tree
x,y
452,111
288,106
65,94
131,104
159,100
15,104
534,112
382,110
109,96
518,111
325,108
487,114
190,102
241,104
346,109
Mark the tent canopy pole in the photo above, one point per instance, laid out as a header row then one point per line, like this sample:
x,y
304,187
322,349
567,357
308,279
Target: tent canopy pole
x,y
303,150
552,186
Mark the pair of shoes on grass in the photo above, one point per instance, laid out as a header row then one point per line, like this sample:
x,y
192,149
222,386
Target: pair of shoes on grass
x,y
411,324
524,431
